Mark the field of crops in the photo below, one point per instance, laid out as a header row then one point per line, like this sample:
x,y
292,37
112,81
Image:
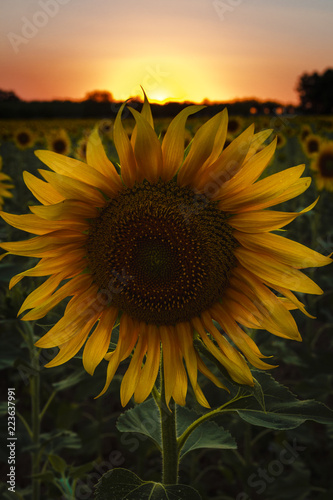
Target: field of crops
x,y
77,439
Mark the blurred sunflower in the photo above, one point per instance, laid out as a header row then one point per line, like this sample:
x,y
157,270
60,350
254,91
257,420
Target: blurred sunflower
x,y
304,132
235,125
169,249
24,138
105,128
4,193
280,140
81,148
311,145
322,166
59,142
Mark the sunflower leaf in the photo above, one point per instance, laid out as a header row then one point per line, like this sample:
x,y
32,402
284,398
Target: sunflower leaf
x,y
142,419
122,484
207,435
283,409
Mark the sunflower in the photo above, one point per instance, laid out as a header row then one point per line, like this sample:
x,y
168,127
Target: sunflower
x,y
280,140
24,138
105,128
4,193
177,252
311,145
59,142
235,125
322,165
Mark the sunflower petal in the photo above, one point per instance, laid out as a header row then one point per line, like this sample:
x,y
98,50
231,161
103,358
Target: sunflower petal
x,y
147,149
282,249
264,220
98,342
276,273
150,369
228,164
202,148
125,152
173,142
96,157
42,191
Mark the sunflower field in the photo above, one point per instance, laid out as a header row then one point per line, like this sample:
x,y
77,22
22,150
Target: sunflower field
x,y
65,439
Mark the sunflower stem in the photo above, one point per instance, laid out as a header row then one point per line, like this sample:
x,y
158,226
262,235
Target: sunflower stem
x,y
170,460
35,410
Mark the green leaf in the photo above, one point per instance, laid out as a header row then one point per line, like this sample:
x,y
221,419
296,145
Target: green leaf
x,y
70,381
206,435
80,471
122,484
143,419
57,463
47,476
283,409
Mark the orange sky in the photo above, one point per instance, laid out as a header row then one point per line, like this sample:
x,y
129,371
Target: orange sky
x,y
186,50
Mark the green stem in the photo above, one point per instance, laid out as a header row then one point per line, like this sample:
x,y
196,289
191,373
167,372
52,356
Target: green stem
x,y
35,411
182,439
170,460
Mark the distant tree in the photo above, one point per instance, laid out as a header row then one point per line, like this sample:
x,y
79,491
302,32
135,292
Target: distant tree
x,y
316,92
99,96
8,95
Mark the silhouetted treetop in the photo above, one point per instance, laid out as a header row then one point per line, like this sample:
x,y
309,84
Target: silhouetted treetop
x,y
316,92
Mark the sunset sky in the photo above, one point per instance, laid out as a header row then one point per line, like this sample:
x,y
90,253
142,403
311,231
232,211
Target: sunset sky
x,y
175,49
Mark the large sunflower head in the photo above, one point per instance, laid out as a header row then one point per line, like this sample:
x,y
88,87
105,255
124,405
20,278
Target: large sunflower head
x,y
322,166
172,247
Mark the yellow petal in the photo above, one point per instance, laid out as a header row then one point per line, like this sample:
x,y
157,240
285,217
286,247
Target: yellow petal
x,y
132,375
41,293
227,165
241,340
173,142
74,286
99,341
287,293
42,191
72,347
264,220
35,225
150,369
146,114
282,249
207,373
128,335
67,209
263,193
78,170
237,373
72,321
125,152
273,316
275,272
202,148
258,139
74,189
185,338
96,157
250,171
40,245
147,149
69,264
